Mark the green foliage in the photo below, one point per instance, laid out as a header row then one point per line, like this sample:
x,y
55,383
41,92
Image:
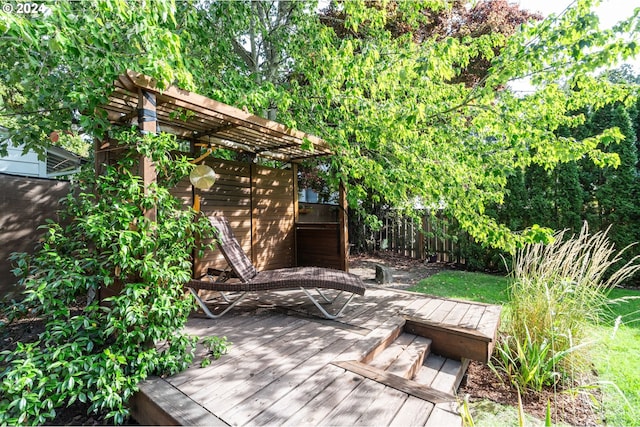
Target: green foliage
x,y
59,65
558,291
406,132
547,415
385,89
216,347
615,190
530,365
389,98
465,413
92,352
616,358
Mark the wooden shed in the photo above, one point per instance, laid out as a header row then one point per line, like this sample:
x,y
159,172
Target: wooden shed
x,y
260,202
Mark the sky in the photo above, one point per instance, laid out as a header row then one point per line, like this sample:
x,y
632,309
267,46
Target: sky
x,y
610,11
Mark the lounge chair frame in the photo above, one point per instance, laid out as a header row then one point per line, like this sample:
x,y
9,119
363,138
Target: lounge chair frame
x,y
244,278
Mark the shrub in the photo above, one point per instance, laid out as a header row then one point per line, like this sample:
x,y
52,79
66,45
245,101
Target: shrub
x,y
531,365
557,291
98,353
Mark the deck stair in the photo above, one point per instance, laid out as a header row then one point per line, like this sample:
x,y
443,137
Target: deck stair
x,y
404,356
405,361
441,373
409,356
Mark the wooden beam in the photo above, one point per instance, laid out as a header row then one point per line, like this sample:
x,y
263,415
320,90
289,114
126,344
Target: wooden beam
x,y
195,102
254,213
215,130
296,213
397,382
231,136
147,123
344,228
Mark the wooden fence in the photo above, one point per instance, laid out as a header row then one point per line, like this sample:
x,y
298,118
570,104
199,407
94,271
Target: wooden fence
x,y
424,239
25,204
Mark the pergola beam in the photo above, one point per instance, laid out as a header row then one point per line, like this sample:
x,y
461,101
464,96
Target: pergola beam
x,y
232,127
147,123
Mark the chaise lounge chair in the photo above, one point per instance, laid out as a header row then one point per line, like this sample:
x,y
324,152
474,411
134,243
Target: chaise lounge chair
x,y
246,278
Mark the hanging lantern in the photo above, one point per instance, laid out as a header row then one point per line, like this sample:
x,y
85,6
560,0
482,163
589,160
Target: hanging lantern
x,y
202,177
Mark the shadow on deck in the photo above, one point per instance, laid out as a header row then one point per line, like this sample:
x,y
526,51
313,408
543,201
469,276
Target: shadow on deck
x,y
394,358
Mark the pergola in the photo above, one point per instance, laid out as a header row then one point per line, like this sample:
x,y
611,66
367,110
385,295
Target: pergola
x,y
261,202
204,121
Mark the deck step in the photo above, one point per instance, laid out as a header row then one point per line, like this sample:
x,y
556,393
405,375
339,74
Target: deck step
x,y
441,373
404,356
411,360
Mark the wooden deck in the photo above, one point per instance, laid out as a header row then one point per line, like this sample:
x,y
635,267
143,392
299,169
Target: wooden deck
x,y
394,358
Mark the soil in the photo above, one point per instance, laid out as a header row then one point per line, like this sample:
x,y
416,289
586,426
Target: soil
x,y
480,384
406,271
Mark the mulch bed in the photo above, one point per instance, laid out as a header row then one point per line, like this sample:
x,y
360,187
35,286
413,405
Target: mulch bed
x,y
567,408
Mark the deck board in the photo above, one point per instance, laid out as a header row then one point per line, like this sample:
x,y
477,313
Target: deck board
x,y
430,369
324,402
392,352
283,366
383,409
455,316
249,344
254,376
489,321
269,395
356,403
300,396
472,317
414,412
440,313
255,347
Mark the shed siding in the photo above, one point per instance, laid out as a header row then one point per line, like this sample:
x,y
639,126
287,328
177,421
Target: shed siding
x,y
274,218
258,202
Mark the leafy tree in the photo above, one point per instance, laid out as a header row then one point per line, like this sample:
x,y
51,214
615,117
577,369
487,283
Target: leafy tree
x,y
95,352
59,64
616,189
404,131
402,125
458,20
569,197
539,185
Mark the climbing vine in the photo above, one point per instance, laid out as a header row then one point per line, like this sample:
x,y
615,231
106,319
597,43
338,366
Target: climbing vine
x,y
97,352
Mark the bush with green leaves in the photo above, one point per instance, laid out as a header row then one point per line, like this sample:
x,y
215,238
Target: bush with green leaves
x,y
215,347
98,352
558,291
531,365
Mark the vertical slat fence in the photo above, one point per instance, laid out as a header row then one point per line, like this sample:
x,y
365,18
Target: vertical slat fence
x,y
424,239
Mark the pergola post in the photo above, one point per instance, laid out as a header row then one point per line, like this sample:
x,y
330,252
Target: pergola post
x,y
147,123
344,228
296,211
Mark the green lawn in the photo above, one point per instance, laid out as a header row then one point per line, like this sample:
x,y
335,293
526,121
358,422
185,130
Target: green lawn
x,y
464,285
617,360
616,356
